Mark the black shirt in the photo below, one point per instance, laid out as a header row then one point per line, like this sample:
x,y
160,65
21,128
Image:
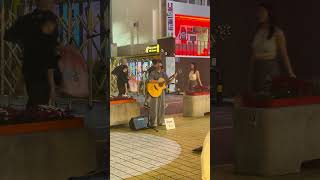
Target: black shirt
x,y
39,50
122,77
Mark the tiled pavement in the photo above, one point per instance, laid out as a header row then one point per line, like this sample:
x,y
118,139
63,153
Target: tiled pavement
x,y
133,154
171,156
222,151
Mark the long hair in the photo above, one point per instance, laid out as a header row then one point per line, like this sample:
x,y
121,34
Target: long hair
x,y
195,68
271,19
124,67
155,61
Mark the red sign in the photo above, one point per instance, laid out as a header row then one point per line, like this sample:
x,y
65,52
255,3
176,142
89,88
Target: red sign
x,y
192,35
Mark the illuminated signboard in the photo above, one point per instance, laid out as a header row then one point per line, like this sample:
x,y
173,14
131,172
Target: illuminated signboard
x,y
153,49
170,20
192,35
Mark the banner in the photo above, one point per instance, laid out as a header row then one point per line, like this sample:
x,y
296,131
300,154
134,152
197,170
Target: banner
x,y
170,18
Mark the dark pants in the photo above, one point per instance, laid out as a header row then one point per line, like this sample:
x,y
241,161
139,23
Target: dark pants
x,y
38,93
192,84
264,72
121,89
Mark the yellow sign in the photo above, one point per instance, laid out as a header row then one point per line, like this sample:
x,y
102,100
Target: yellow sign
x,y
153,49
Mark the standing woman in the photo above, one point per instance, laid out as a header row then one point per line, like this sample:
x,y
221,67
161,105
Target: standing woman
x,y
269,44
194,77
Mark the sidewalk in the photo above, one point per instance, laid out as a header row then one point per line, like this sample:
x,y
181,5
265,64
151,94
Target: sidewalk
x,y
148,154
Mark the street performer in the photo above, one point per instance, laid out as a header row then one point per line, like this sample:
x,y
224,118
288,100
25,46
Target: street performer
x,y
157,104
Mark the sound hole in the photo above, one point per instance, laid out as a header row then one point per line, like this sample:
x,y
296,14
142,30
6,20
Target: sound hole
x,y
155,87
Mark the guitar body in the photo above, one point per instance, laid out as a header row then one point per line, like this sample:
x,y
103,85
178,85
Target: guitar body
x,y
155,89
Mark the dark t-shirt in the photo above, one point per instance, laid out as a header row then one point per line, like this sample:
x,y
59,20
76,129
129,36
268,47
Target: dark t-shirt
x,y
156,75
122,77
39,50
152,68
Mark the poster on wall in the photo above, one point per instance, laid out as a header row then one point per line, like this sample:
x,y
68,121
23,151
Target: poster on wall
x,y
170,18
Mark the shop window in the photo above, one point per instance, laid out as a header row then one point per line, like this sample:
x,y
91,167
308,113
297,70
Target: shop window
x,y
182,1
138,70
197,2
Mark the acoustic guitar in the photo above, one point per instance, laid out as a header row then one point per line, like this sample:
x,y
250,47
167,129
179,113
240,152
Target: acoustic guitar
x,y
156,87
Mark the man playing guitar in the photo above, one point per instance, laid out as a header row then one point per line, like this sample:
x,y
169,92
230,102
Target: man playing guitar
x,y
157,102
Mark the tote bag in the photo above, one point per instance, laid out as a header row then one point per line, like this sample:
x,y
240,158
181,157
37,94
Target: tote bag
x,y
74,73
133,84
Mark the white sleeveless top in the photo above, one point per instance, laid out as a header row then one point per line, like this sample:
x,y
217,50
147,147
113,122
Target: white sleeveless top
x,y
263,45
192,76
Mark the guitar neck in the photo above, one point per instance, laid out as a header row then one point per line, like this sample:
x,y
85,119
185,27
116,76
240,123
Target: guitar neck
x,y
172,77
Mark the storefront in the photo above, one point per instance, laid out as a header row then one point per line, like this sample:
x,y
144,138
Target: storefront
x,y
188,40
138,66
182,30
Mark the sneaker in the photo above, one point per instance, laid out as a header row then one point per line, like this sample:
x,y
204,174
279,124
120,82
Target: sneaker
x,y
152,127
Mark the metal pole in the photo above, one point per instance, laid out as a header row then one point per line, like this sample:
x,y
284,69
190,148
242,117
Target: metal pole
x,y
3,27
105,11
90,55
107,18
69,37
69,31
105,27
